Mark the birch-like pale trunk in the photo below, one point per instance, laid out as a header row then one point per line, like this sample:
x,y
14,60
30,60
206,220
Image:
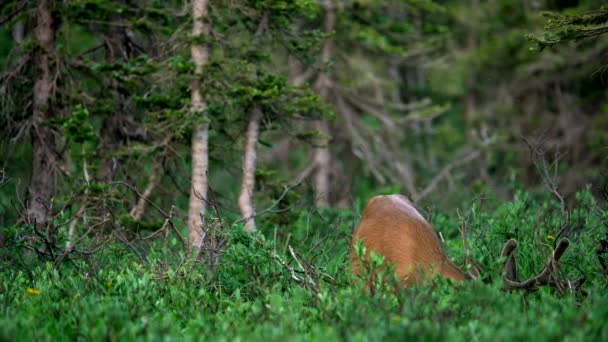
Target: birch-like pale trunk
x,y
19,32
321,154
44,154
469,103
322,162
81,210
245,201
200,137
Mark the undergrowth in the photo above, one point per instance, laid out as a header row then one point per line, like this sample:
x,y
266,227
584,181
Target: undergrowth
x,y
294,283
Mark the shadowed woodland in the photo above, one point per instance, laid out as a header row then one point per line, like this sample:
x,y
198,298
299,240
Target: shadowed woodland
x,y
195,169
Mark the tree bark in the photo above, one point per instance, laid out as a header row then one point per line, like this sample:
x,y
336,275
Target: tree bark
x,y
117,49
322,162
198,192
469,103
110,141
200,148
44,159
321,154
245,201
19,32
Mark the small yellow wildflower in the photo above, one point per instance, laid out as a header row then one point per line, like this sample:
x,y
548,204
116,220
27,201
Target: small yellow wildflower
x,y
108,283
32,291
550,237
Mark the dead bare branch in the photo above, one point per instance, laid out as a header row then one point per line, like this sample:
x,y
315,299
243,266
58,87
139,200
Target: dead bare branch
x,y
550,181
13,72
445,172
71,247
138,210
16,10
140,195
359,146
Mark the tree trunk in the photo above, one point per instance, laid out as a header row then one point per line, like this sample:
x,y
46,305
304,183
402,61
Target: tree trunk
x,y
116,50
248,182
321,154
19,32
322,162
44,159
198,192
110,141
469,102
200,148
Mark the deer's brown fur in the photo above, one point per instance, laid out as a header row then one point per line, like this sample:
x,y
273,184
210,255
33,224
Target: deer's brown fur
x,y
392,227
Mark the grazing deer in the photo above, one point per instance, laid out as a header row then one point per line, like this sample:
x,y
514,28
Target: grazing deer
x,y
392,227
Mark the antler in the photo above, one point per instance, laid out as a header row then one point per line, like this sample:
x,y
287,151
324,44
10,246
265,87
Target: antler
x,y
547,276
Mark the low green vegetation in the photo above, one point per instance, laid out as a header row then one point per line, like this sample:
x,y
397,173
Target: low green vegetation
x,y
293,282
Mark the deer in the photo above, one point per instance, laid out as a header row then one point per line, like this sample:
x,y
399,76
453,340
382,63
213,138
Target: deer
x,y
392,227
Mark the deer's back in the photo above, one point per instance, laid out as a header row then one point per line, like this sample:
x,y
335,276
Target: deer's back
x,y
392,227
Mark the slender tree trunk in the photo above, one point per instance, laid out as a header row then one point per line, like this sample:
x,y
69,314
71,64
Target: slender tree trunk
x,y
198,192
19,32
81,210
200,147
116,50
321,154
469,102
245,201
110,141
322,162
44,159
